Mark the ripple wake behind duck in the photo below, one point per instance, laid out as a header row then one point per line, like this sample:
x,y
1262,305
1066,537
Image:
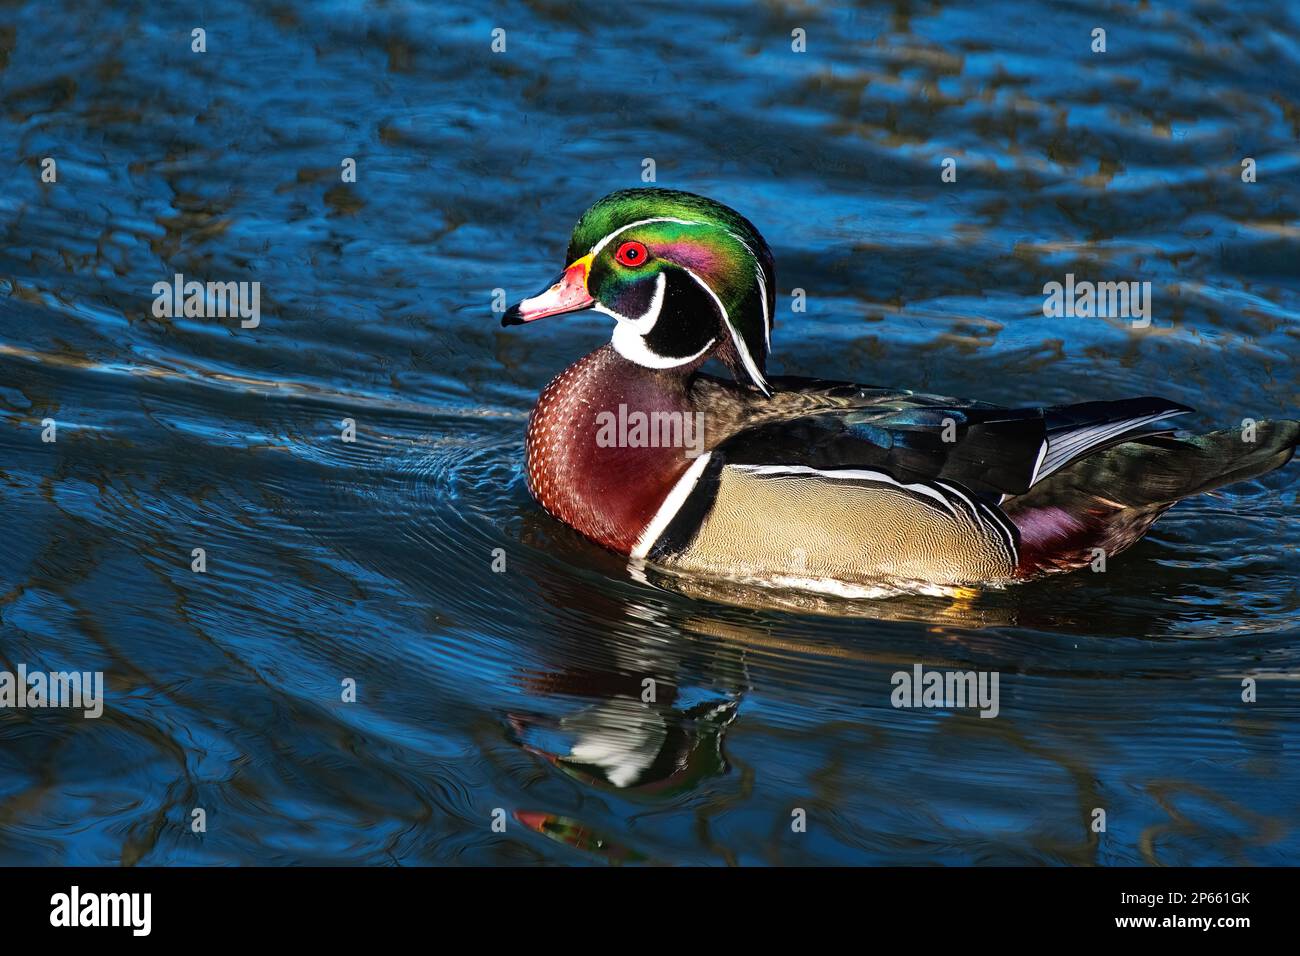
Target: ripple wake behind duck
x,y
805,480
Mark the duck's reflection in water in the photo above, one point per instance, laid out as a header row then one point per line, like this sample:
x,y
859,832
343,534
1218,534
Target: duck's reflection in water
x,y
657,684
643,708
637,692
642,713
628,744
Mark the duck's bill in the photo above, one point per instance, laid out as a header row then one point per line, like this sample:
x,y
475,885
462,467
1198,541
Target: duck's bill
x,y
568,293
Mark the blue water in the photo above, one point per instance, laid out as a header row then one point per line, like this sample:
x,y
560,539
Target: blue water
x,y
373,561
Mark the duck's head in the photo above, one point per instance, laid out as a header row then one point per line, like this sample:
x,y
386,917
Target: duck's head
x,y
683,276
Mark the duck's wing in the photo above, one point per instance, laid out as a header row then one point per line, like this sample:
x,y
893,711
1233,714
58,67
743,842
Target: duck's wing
x,y
902,486
993,452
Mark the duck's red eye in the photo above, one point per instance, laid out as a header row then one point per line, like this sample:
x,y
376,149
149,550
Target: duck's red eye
x,y
631,254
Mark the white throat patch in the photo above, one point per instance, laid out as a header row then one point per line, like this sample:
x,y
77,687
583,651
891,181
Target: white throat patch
x,y
631,344
629,333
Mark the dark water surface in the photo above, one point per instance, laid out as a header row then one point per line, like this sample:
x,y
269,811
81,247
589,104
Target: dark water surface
x,y
372,560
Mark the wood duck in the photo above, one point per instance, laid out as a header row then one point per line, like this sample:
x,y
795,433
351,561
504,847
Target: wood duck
x,y
820,484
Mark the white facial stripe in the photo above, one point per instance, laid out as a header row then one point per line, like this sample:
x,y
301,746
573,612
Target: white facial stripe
x,y
736,340
647,319
630,344
629,333
762,289
595,250
668,510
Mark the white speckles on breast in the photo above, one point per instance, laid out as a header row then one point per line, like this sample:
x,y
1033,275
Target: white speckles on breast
x,y
608,494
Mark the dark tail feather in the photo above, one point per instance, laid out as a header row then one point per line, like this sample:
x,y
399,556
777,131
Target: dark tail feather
x,y
1164,470
1109,499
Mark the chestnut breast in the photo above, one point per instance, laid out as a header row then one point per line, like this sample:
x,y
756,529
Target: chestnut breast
x,y
587,463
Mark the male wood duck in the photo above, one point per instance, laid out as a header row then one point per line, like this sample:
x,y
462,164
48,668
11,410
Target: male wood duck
x,y
813,483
